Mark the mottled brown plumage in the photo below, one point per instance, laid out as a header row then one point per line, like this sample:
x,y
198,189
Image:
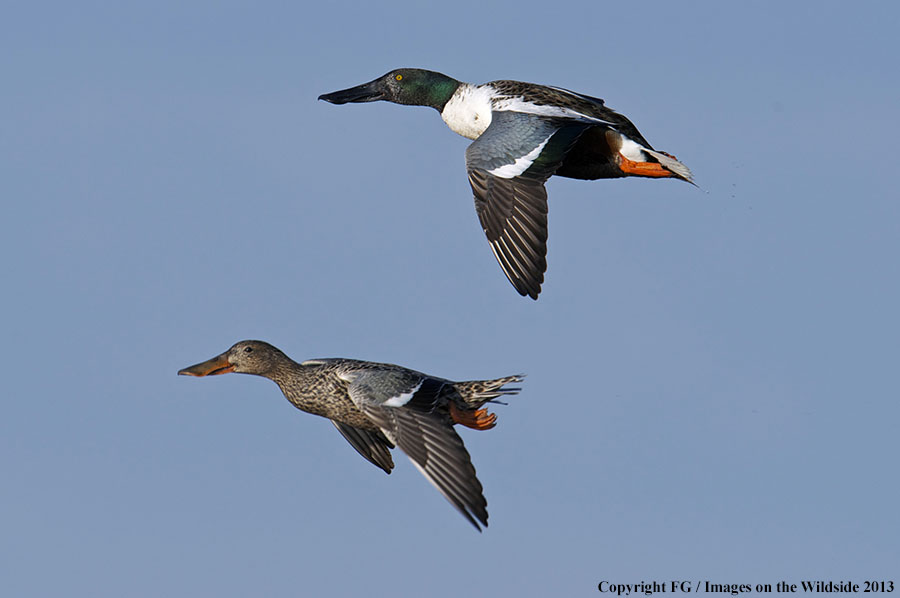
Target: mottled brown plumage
x,y
376,406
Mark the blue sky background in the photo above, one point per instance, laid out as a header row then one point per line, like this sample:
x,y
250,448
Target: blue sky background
x,y
712,373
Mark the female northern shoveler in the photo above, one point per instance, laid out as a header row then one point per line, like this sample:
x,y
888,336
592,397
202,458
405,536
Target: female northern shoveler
x,y
524,133
376,406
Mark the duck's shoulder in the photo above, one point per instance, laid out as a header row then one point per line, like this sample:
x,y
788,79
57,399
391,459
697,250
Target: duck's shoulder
x,y
519,96
543,95
323,361
351,369
340,367
386,385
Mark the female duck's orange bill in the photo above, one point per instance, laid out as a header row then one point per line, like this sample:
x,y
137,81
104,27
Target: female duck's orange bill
x,y
213,367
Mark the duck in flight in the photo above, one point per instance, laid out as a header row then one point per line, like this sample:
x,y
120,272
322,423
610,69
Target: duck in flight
x,y
377,406
523,134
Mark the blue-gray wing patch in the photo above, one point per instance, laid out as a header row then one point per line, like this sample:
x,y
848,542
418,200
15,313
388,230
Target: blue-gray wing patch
x,y
508,165
406,407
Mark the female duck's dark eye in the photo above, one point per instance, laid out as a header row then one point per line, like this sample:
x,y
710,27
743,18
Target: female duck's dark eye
x,y
248,349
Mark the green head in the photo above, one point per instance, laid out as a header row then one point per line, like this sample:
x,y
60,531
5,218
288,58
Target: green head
x,y
414,87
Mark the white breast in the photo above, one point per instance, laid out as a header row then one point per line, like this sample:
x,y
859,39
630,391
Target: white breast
x,y
468,112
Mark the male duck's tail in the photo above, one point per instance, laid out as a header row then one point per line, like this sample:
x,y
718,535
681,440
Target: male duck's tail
x,y
669,162
634,157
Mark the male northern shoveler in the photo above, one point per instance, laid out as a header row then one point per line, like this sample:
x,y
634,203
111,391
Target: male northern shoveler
x,y
376,406
524,133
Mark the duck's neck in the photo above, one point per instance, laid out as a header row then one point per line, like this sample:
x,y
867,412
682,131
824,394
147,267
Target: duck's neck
x,y
302,385
287,372
430,89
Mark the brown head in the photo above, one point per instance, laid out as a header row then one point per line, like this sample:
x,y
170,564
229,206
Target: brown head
x,y
246,357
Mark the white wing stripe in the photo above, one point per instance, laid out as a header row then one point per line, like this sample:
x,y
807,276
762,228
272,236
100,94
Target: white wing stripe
x,y
509,171
402,399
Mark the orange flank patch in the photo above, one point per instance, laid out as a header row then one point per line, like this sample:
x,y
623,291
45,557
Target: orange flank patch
x,y
470,418
651,169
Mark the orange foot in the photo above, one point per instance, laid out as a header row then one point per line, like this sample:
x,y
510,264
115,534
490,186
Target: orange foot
x,y
477,420
651,169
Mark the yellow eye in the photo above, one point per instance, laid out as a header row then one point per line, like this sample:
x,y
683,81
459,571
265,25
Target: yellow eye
x,y
398,77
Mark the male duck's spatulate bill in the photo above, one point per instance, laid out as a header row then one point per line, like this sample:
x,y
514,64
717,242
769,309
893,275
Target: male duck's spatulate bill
x,y
376,406
524,133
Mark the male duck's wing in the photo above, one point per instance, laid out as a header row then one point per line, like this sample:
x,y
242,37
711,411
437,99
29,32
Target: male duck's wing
x,y
508,165
407,406
371,444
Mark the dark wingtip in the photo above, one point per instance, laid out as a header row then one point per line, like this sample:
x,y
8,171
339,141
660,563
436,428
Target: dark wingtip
x,y
525,289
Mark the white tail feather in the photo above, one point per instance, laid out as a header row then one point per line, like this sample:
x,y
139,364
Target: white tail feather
x,y
672,164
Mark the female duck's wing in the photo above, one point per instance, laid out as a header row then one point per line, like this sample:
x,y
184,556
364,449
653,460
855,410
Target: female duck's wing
x,y
371,444
508,165
411,410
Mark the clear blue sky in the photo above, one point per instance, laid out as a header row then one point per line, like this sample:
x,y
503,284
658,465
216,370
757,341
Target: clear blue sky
x,y
712,386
